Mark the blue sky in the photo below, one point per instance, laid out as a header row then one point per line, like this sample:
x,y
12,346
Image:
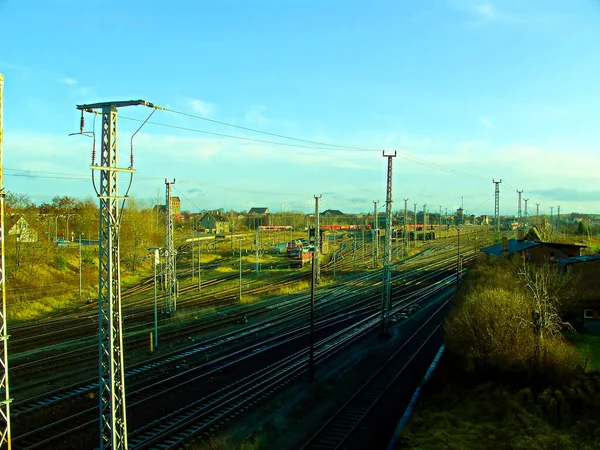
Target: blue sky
x,y
464,90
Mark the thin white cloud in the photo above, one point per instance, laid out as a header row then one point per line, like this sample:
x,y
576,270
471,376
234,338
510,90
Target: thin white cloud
x,y
69,81
255,115
201,107
487,122
486,12
23,70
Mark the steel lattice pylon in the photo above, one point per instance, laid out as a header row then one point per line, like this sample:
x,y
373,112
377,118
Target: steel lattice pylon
x,y
113,421
5,436
387,252
170,303
113,414
497,204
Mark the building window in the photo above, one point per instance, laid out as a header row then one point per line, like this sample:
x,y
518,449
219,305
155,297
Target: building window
x,y
588,313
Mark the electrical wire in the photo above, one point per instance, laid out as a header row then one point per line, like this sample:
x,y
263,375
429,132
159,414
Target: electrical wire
x,y
318,145
260,141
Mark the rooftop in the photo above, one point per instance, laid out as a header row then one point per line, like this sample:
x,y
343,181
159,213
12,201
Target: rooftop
x,y
514,246
578,259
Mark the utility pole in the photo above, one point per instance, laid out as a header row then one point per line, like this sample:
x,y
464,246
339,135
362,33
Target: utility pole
x,y
113,415
317,242
415,233
537,212
519,192
170,303
80,264
406,223
240,293
497,204
256,268
387,269
424,223
5,436
458,255
557,217
155,262
525,219
199,267
375,234
440,221
354,252
311,357
552,215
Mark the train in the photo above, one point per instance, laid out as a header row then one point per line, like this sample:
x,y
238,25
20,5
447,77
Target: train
x,y
346,227
299,257
275,227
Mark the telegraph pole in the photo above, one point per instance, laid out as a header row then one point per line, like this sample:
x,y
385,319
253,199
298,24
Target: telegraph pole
x,y
525,219
552,215
375,234
5,436
557,217
519,192
170,304
387,269
497,204
113,416
317,253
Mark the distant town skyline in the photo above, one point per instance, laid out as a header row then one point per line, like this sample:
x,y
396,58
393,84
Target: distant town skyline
x,y
465,90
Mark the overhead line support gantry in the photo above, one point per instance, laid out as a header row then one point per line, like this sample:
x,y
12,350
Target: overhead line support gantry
x,y
387,266
113,416
5,435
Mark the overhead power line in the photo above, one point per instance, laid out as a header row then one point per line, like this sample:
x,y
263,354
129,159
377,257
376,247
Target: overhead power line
x,y
317,145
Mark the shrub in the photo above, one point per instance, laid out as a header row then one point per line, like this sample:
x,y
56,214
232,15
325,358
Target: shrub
x,y
506,325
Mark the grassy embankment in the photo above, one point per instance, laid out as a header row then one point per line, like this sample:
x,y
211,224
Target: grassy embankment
x,y
506,382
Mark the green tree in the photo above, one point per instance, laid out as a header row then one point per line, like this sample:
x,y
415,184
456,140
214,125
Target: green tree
x,y
136,233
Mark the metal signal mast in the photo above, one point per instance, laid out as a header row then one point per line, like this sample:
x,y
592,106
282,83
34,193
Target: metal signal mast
x,y
387,258
170,304
405,222
375,233
5,399
497,204
113,417
317,252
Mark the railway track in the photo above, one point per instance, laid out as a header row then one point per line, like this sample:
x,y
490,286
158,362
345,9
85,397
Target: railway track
x,y
81,390
343,423
360,284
